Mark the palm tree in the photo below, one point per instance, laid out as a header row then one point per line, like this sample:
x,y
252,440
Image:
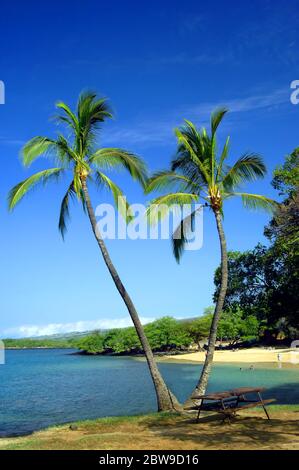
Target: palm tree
x,y
197,173
78,155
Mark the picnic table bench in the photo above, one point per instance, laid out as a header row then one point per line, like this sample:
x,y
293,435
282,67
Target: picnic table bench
x,y
229,402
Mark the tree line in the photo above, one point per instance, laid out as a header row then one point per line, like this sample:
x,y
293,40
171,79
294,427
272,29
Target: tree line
x,y
166,334
263,282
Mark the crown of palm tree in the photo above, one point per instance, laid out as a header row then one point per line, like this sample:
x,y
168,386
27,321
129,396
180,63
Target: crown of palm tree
x,y
78,154
199,172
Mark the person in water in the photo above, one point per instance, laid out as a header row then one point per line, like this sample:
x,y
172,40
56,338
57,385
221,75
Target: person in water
x,y
249,368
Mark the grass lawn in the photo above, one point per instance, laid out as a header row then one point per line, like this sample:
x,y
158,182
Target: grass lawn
x,y
250,430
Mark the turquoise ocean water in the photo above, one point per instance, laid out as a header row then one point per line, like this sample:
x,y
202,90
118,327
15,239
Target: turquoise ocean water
x,y
44,387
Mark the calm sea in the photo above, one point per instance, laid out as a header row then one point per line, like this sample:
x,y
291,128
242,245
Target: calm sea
x,y
44,387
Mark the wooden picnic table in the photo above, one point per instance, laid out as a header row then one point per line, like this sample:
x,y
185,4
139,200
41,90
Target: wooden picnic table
x,y
229,402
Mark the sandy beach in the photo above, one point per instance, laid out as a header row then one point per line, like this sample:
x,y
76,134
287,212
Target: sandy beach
x,y
251,356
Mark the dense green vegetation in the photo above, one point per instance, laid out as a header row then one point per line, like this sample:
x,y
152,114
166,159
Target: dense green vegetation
x,y
263,282
168,334
164,334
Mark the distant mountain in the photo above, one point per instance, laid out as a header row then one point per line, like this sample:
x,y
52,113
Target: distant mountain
x,y
64,336
80,334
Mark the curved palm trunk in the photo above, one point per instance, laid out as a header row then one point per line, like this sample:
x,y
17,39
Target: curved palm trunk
x,y
165,399
203,381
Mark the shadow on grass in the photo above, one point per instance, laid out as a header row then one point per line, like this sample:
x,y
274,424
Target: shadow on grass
x,y
243,432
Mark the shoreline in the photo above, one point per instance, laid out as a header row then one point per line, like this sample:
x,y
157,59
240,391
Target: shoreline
x,y
251,356
246,356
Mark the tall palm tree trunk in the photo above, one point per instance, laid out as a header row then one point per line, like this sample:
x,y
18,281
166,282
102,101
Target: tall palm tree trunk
x,y
165,399
203,381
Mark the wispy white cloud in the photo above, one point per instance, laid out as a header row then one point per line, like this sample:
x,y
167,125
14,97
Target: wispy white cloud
x,y
158,131
29,331
5,141
249,103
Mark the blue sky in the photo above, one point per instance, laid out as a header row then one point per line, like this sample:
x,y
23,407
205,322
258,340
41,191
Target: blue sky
x,y
159,62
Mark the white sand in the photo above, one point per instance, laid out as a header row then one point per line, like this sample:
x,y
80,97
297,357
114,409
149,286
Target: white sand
x,y
251,355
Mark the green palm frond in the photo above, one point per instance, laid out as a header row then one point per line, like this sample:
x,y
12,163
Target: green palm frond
x,y
196,169
161,206
216,118
21,189
222,159
36,147
99,111
169,180
249,167
180,235
58,149
70,119
199,157
108,158
198,140
64,209
119,198
186,139
92,110
64,151
255,201
182,164
76,152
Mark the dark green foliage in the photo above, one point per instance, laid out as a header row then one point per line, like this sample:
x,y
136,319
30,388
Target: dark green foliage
x,y
286,176
233,326
167,333
199,329
264,281
251,278
122,340
92,343
249,327
163,334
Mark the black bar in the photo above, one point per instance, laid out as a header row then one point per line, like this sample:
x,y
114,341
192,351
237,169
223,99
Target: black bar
x,y
144,459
